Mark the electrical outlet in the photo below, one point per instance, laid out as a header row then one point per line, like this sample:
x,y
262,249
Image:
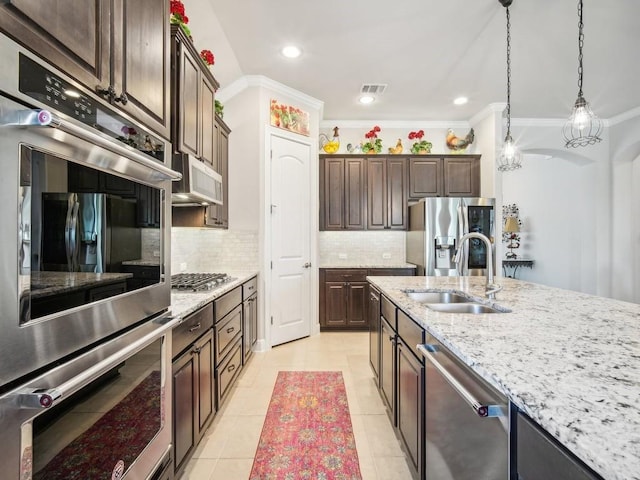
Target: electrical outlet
x,y
342,256
183,267
386,255
156,253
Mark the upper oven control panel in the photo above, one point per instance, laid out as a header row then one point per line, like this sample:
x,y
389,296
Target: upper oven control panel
x,y
42,85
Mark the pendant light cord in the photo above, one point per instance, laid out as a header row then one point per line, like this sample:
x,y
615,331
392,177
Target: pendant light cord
x,y
580,46
509,73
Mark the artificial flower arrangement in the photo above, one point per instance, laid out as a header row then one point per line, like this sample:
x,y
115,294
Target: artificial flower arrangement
x,y
373,143
219,108
421,146
207,57
178,16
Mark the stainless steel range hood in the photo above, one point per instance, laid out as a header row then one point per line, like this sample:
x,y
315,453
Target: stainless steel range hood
x,y
200,185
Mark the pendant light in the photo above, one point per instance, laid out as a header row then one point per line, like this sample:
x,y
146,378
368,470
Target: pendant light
x,y
509,158
583,127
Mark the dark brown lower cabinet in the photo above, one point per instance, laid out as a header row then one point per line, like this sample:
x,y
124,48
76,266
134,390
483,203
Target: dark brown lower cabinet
x,y
388,367
374,331
193,397
410,405
344,296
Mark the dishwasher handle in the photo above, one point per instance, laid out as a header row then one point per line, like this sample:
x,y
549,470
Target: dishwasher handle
x,y
481,409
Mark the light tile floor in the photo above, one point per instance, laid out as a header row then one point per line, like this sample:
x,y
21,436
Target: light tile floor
x,y
226,452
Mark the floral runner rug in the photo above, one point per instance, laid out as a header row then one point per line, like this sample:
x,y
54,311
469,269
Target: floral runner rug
x,y
307,433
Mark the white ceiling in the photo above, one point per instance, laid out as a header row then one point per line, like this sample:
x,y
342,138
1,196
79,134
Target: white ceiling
x,y
429,52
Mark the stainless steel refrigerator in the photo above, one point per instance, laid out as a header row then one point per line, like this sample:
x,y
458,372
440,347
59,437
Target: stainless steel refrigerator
x,y
88,232
435,228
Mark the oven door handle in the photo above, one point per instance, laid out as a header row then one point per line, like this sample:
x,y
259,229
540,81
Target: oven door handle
x,y
48,397
43,118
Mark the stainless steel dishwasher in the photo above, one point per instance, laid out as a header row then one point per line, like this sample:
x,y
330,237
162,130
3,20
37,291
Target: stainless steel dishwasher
x,y
467,421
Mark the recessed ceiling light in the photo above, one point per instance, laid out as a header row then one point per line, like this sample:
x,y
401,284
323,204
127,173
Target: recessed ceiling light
x,y
460,101
366,99
291,51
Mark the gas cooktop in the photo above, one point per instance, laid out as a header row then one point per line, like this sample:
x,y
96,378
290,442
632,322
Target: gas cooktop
x,y
199,281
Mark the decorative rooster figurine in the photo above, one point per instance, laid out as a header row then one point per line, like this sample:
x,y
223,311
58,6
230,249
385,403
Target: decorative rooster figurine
x,y
397,149
459,144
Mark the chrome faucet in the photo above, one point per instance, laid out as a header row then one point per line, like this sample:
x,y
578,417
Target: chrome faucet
x,y
491,288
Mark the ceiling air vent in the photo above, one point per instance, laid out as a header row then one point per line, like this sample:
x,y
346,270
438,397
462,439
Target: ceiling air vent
x,y
373,88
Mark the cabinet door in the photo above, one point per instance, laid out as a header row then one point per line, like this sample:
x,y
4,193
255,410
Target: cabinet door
x,y
374,331
357,304
184,399
377,194
397,194
218,215
425,177
249,312
208,154
206,391
462,176
74,36
254,320
355,195
188,104
335,306
387,367
410,406
141,61
332,194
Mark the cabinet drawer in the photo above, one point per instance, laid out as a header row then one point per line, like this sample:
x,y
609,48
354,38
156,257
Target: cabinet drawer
x,y
191,328
227,302
345,275
389,272
227,371
227,330
388,311
249,288
411,333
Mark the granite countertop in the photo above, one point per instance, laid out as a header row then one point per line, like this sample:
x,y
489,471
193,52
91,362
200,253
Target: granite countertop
x,y
569,360
184,302
142,263
54,283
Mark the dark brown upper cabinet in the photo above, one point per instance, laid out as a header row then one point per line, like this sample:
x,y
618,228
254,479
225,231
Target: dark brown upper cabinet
x,y
386,193
117,48
342,193
453,176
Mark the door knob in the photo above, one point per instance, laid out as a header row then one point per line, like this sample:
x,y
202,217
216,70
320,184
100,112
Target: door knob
x,y
307,265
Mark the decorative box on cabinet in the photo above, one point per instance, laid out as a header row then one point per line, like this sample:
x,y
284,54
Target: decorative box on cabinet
x,y
91,42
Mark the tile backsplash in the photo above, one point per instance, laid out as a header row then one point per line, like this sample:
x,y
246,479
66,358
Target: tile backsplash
x,y
211,250
361,248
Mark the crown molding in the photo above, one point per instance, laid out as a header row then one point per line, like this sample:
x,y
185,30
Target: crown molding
x,y
398,124
623,117
488,111
248,81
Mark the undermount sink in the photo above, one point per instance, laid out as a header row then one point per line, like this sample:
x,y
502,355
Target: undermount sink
x,y
475,308
437,297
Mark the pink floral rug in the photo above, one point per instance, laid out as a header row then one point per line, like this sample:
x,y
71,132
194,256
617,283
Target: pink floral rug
x,y
307,433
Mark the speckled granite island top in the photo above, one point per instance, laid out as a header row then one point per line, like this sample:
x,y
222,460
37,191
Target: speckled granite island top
x,y
571,361
55,283
184,302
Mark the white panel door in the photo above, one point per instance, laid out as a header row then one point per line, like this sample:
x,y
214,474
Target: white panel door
x,y
290,245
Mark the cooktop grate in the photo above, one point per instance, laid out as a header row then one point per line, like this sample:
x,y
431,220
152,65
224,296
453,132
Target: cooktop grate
x,y
198,281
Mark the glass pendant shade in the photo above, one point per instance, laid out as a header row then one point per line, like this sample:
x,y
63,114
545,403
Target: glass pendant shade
x,y
510,157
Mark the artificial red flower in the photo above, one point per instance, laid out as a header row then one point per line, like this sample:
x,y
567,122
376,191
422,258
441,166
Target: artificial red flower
x,y
207,56
176,7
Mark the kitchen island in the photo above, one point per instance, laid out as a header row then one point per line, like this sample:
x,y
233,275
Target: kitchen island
x,y
569,360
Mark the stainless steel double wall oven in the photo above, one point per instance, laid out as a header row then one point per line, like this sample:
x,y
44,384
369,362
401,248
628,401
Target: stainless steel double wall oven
x,y
85,192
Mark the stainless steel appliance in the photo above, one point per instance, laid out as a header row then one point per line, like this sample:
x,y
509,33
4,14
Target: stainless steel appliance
x,y
105,414
200,184
88,232
199,281
58,137
467,422
435,228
